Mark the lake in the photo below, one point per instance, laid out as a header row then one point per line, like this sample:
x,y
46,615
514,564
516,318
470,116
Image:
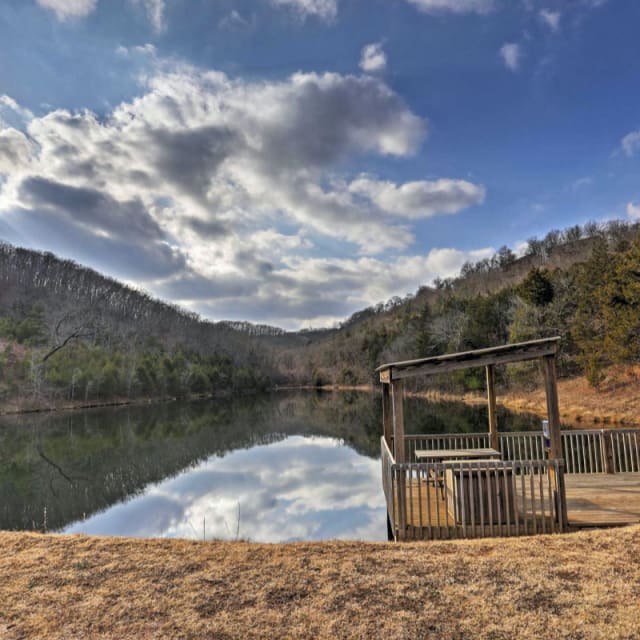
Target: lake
x,y
279,467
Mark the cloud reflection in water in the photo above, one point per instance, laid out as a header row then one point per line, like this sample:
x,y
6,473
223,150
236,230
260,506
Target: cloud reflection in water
x,y
302,488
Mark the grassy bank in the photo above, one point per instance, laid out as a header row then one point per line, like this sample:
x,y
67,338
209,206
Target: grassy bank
x,y
582,585
615,402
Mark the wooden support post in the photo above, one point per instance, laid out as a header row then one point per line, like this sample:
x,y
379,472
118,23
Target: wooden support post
x,y
553,409
607,452
387,417
398,420
555,451
491,399
397,401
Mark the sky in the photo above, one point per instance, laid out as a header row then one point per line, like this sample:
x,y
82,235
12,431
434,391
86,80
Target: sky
x,y
290,162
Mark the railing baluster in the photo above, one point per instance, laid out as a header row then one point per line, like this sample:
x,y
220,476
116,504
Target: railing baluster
x,y
625,444
442,493
463,502
618,462
507,498
420,502
522,496
542,515
413,522
533,500
427,476
483,491
472,500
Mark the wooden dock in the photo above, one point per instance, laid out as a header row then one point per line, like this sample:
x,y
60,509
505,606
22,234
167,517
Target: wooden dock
x,y
550,481
596,500
602,499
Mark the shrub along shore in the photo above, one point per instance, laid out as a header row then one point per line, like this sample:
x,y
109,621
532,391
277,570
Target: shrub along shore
x,y
614,402
582,585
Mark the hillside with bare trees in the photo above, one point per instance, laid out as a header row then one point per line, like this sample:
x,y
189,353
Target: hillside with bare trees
x,y
71,335
580,283
68,333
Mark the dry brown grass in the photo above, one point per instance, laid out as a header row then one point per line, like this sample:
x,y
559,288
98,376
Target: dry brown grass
x,y
584,585
615,402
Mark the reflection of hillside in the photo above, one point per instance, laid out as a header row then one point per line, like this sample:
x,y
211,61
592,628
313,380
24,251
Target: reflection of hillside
x,y
75,464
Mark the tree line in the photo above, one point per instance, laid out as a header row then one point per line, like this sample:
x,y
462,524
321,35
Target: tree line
x,y
70,333
582,284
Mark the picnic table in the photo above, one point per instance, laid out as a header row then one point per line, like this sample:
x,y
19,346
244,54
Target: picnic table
x,y
447,455
440,455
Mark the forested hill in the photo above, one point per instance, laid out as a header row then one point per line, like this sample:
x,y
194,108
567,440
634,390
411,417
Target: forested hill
x,y
70,333
582,283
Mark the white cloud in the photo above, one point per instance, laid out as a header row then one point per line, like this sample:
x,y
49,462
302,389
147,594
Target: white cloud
x,y
453,6
420,199
65,9
234,21
13,114
631,143
155,12
580,183
323,9
510,53
550,18
633,211
15,150
217,193
373,58
307,291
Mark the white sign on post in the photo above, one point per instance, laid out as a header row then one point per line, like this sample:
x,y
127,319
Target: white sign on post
x,y
546,435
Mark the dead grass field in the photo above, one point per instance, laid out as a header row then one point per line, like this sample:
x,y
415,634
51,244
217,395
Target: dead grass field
x,y
616,401
578,586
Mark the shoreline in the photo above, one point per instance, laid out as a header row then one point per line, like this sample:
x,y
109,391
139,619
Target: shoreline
x,y
615,404
118,402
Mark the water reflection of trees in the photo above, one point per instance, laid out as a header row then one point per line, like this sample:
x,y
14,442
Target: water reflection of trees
x,y
75,464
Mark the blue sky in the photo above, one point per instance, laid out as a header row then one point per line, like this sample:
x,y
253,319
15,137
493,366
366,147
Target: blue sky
x,y
292,161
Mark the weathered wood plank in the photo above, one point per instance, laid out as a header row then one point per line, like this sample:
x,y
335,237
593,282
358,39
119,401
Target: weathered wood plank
x,y
603,499
553,408
494,355
397,406
607,453
491,400
387,418
433,368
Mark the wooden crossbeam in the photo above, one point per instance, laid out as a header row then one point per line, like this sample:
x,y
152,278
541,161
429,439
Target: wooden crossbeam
x,y
506,354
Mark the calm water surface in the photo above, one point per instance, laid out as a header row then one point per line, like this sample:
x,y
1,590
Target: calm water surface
x,y
294,466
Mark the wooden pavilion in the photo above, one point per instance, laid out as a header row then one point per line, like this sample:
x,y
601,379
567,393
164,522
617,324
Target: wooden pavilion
x,y
502,483
461,485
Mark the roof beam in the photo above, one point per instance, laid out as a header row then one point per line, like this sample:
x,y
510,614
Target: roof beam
x,y
467,360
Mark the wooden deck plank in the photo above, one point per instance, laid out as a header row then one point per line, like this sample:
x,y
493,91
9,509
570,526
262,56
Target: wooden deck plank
x,y
602,499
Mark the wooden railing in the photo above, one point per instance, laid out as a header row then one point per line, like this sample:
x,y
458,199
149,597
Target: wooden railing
x,y
584,450
387,460
473,499
622,449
